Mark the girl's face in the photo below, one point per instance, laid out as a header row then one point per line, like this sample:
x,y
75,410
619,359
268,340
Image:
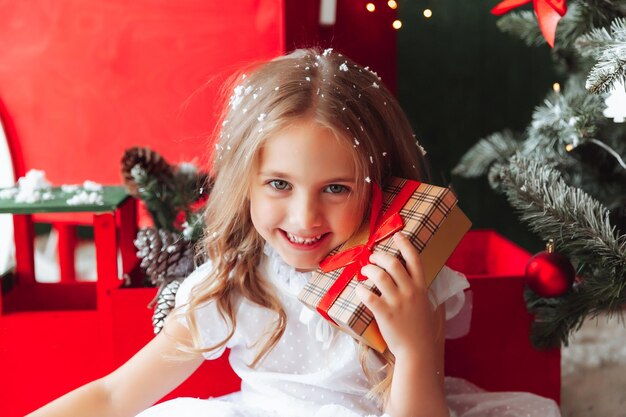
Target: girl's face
x,y
301,197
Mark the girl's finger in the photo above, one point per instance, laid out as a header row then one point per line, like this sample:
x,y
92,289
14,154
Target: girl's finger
x,y
381,279
393,266
369,298
412,258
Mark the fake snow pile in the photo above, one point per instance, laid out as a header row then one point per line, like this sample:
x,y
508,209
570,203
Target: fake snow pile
x,y
34,187
594,368
600,342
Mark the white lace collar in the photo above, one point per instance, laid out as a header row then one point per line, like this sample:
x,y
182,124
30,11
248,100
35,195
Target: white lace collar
x,y
283,274
291,281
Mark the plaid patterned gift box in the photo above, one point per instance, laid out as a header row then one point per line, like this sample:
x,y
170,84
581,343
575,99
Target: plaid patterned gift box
x,y
428,215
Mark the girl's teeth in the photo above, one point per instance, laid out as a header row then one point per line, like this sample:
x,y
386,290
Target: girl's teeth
x,y
298,239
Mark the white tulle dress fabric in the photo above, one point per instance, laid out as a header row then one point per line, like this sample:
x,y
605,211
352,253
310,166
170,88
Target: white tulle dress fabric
x,y
314,370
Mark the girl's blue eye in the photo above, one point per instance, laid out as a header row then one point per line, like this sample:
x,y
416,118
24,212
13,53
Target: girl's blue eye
x,y
337,189
279,184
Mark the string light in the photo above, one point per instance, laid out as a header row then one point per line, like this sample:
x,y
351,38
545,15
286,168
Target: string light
x,y
397,24
569,147
427,13
392,4
370,7
556,87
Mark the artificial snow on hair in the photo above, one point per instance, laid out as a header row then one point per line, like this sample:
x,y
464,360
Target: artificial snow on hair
x,y
343,67
368,180
238,94
236,98
373,73
307,78
261,117
422,150
327,51
375,85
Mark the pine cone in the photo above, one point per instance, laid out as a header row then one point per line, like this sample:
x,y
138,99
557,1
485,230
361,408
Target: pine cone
x,y
165,303
150,161
164,255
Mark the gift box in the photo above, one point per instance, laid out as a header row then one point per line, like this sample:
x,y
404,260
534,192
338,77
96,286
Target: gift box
x,y
428,215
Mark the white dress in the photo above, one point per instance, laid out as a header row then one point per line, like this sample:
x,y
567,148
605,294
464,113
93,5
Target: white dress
x,y
314,370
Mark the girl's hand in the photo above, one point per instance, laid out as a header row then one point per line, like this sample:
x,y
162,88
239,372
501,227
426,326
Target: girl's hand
x,y
403,311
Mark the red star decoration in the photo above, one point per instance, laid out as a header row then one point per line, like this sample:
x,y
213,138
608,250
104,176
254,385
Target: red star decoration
x,y
548,12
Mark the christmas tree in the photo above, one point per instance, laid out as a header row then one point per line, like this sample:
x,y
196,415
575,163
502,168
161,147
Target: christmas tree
x,y
565,174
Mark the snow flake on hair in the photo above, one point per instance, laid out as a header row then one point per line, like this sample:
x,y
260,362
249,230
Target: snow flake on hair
x,y
375,85
261,117
357,142
327,51
307,78
238,94
373,72
421,148
343,67
368,180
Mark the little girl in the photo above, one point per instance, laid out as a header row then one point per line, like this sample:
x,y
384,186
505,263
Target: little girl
x,y
302,139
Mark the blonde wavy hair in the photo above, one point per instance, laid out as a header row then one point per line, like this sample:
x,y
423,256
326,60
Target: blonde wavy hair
x,y
337,93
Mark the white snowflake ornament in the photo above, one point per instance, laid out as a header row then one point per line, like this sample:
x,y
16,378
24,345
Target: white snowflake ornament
x,y
616,104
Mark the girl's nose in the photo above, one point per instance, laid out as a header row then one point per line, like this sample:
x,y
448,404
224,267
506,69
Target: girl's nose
x,y
305,213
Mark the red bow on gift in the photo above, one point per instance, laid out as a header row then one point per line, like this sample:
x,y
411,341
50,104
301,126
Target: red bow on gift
x,y
549,12
381,227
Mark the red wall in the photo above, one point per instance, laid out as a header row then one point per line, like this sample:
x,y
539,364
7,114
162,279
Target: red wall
x,y
84,80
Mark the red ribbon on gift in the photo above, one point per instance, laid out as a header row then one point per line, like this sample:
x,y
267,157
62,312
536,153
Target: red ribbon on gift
x,y
353,259
548,12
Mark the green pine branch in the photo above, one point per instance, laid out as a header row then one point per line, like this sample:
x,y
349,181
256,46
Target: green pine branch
x,y
581,230
567,118
609,49
522,24
497,147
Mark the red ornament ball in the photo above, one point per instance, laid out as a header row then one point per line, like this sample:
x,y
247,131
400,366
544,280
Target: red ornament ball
x,y
549,274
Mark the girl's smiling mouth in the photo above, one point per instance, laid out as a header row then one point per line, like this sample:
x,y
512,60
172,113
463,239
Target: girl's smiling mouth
x,y
301,242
